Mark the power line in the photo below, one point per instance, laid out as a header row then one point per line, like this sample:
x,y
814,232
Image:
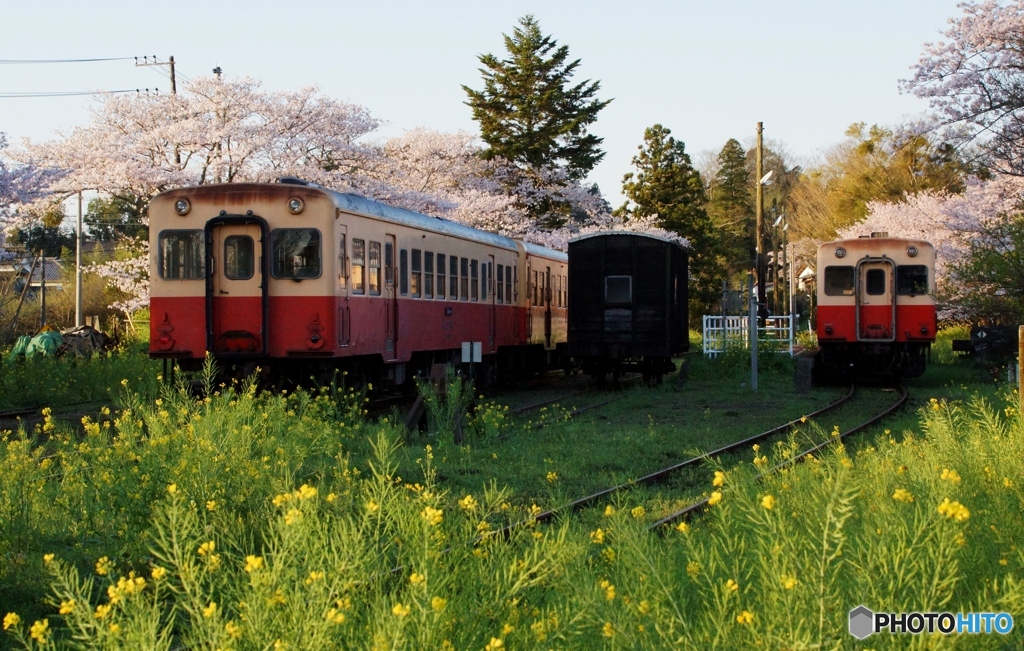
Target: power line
x,y
74,93
19,61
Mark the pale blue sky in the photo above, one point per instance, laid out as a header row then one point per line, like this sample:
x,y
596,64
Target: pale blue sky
x,y
707,70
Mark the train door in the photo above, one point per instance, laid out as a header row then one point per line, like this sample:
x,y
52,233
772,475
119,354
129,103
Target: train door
x,y
876,300
236,292
546,299
531,292
492,318
390,300
344,313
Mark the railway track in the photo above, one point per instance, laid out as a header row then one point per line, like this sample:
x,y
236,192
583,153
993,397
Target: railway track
x,y
663,473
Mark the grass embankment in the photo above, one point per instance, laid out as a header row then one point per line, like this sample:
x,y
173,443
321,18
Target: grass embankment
x,y
243,520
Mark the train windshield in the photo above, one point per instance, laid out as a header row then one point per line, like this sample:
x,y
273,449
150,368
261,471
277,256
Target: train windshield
x,y
911,279
839,281
296,252
182,254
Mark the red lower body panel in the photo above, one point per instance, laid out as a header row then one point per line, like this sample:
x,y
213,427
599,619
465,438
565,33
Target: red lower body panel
x,y
914,323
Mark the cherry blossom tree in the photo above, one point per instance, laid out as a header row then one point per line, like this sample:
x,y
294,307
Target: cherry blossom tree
x,y
974,81
21,185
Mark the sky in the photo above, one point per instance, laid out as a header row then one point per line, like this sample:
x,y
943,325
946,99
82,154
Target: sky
x,y
709,71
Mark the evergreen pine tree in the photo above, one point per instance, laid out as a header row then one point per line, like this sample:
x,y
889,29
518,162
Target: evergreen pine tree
x,y
731,206
666,185
528,111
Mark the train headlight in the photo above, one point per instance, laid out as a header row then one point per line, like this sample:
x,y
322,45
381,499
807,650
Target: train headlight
x,y
912,251
840,252
295,205
182,206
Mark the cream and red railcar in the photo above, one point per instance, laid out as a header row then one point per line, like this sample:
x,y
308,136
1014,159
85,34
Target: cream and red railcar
x,y
875,306
300,280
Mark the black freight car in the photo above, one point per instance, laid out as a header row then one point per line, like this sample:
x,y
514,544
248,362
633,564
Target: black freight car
x,y
627,304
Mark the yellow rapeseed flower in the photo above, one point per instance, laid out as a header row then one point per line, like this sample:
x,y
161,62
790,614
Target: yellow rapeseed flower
x,y
951,476
954,510
746,617
102,610
11,620
39,629
432,516
67,607
1007,482
609,510
732,586
438,603
597,536
507,628
552,477
468,503
292,516
103,566
608,630
306,492
638,512
207,548
693,569
715,498
768,502
719,479
253,563
233,630
400,610
172,488
47,558
494,644
331,497
682,527
335,616
158,573
314,577
416,578
903,495
210,610
789,581
609,590
211,505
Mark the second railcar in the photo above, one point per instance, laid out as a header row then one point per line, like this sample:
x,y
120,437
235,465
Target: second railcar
x,y
627,304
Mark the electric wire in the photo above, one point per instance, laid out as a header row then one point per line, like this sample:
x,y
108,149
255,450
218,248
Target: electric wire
x,y
31,61
32,94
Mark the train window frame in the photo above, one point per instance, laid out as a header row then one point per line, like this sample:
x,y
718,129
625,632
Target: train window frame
x,y
485,280
195,260
463,279
373,265
499,285
615,296
389,264
874,282
830,280
474,280
441,276
358,273
453,277
342,265
279,268
515,284
403,272
920,273
416,274
238,267
428,274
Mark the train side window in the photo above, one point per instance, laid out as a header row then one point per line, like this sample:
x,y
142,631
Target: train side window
x,y
500,285
428,274
295,253
533,289
513,288
618,290
464,278
403,271
342,268
839,281
239,257
374,277
182,254
440,275
358,266
875,281
389,264
565,291
911,279
453,274
477,278
414,277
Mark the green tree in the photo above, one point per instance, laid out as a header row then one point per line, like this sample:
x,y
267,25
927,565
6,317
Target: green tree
x,y
529,112
731,206
116,217
667,187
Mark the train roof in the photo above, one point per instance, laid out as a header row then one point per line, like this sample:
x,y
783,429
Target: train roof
x,y
631,233
536,249
363,206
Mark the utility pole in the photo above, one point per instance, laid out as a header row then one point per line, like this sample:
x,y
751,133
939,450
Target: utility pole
x,y
78,265
760,269
42,288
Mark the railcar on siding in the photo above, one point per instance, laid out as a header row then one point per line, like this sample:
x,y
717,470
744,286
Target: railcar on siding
x,y
299,280
875,314
627,304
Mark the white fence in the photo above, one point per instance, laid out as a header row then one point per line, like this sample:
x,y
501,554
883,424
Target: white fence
x,y
722,333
